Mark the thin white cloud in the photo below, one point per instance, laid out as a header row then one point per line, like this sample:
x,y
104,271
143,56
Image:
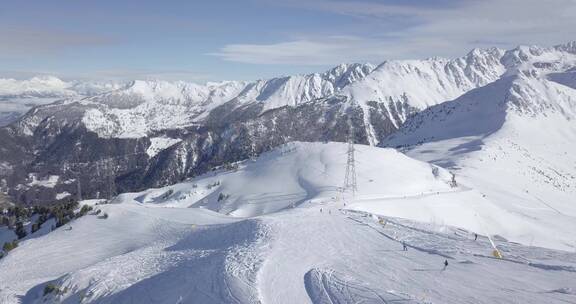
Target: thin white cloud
x,y
306,52
449,31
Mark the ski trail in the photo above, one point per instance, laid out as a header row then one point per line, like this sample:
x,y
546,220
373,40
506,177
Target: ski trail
x,y
361,198
429,251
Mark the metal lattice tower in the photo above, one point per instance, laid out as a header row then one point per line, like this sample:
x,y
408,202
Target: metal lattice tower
x,y
350,177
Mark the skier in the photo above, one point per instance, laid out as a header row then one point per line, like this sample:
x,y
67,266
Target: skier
x,y
320,210
445,264
404,247
475,236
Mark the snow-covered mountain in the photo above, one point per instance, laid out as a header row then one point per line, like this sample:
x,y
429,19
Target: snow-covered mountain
x,y
277,230
144,107
511,138
387,94
172,130
398,89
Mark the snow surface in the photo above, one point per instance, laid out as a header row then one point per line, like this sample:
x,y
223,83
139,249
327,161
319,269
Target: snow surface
x,y
49,182
158,144
282,234
62,195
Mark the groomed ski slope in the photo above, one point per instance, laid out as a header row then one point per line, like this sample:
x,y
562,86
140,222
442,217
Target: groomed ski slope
x,y
283,235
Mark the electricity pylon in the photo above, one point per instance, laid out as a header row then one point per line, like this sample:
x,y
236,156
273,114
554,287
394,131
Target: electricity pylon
x,y
350,183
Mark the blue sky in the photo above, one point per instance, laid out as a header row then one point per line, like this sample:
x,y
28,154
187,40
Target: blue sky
x,y
249,39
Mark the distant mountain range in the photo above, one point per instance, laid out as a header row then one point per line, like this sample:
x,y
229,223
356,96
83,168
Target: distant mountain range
x,y
18,96
126,137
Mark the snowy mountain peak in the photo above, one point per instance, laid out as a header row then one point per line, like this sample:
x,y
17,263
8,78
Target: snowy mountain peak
x,y
569,47
345,74
539,60
157,90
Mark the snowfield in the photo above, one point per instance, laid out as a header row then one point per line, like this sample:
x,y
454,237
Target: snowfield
x,y
276,229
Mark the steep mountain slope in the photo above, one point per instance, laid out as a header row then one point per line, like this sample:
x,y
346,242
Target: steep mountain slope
x,y
401,88
512,139
186,243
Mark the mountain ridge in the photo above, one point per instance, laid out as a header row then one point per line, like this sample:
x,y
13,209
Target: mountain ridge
x,y
168,131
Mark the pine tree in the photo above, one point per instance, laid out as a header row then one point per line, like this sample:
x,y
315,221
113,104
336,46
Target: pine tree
x,y
9,245
20,231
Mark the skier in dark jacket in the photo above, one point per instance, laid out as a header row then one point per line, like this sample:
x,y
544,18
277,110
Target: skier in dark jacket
x,y
445,264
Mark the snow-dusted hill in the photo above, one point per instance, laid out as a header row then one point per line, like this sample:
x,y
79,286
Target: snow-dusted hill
x,y
295,173
276,230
